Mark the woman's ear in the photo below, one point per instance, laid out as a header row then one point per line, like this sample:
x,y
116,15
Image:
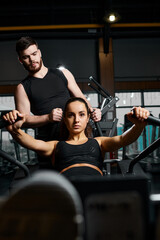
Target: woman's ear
x,y
88,117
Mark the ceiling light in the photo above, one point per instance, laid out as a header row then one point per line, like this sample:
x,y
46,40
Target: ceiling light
x,y
111,17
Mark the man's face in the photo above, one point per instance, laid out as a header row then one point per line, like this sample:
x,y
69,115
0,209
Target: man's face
x,y
31,59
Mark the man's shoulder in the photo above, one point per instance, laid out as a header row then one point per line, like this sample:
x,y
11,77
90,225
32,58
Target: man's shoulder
x,y
26,84
25,79
58,73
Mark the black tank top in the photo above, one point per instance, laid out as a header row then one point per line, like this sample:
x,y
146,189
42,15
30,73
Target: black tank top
x,y
45,94
68,154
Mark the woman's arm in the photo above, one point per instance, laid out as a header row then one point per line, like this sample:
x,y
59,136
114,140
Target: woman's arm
x,y
24,139
109,144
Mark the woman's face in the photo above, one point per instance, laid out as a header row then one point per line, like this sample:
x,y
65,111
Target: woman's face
x,y
76,117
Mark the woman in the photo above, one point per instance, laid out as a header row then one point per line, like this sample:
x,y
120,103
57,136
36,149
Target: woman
x,y
78,155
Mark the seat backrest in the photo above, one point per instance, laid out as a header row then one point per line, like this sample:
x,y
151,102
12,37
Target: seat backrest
x,y
115,206
44,206
114,216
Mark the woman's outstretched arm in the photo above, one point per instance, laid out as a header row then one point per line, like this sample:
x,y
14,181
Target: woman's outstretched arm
x,y
109,144
24,139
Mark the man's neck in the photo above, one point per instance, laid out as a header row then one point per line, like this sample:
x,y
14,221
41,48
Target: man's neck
x,y
41,73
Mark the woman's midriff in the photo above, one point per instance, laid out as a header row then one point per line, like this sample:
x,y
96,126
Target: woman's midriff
x,y
82,165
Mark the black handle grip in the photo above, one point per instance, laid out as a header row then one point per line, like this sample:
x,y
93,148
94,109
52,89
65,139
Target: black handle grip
x,y
4,123
151,119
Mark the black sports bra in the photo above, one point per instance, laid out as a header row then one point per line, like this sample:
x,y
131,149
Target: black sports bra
x,y
67,154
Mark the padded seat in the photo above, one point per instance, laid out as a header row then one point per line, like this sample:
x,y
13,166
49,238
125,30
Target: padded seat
x,y
43,207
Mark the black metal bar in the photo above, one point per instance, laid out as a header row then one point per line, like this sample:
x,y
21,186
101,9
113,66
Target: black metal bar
x,y
144,153
109,105
97,90
98,85
113,128
98,129
14,161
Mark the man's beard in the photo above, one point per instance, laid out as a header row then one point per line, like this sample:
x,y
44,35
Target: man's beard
x,y
34,70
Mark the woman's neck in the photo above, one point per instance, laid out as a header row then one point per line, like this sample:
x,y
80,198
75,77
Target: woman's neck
x,y
77,138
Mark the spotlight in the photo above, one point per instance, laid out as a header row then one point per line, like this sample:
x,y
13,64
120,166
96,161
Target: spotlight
x,y
111,17
60,66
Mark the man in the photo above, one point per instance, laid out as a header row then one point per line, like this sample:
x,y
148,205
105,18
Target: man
x,y
44,91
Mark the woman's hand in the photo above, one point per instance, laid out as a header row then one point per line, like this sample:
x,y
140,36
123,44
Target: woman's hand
x,y
138,115
11,117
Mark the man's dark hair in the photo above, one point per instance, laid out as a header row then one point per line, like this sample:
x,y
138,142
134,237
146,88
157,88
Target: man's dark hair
x,y
25,42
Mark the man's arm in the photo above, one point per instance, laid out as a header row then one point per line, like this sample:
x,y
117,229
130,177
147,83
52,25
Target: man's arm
x,y
76,92
22,104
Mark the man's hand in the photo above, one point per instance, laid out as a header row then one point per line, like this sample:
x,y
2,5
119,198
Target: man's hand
x,y
56,115
96,114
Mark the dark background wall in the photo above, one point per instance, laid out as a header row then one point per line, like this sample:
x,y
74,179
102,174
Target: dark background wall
x,y
78,55
136,59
